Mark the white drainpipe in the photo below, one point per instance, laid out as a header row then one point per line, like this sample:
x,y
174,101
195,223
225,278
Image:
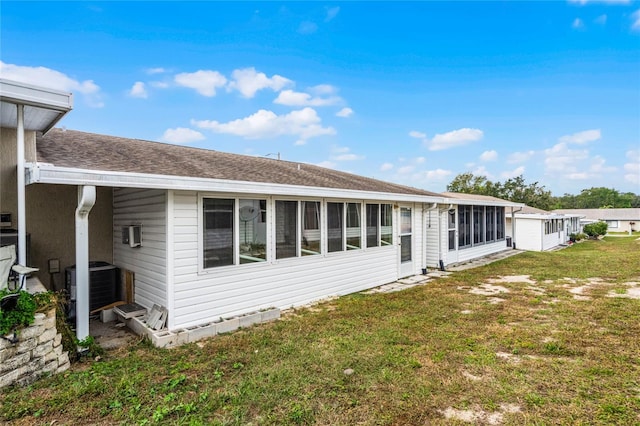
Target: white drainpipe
x,y
513,226
86,200
22,217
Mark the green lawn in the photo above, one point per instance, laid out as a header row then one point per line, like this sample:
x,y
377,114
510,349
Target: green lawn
x,y
427,355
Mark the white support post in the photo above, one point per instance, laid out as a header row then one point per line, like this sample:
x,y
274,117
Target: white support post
x,y
22,216
86,200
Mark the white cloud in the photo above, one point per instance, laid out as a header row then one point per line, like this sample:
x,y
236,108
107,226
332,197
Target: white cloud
x,y
598,166
291,98
138,90
347,157
344,112
438,174
508,174
577,176
636,20
418,135
332,12
157,70
583,137
46,77
601,20
181,135
248,81
307,27
489,155
385,167
520,157
482,171
204,82
159,84
323,89
563,160
455,138
577,24
327,164
404,170
304,123
419,160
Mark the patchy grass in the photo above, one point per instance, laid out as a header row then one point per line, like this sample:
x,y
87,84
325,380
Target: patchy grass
x,y
431,354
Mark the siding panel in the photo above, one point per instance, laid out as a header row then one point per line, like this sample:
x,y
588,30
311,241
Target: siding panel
x,y
148,262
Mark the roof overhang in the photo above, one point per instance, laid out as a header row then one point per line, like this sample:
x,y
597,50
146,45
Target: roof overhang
x,y
46,173
43,107
475,202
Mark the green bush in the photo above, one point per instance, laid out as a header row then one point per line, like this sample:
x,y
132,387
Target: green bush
x,y
596,229
24,313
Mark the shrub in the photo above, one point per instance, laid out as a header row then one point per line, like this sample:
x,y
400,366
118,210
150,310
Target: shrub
x,y
21,316
596,229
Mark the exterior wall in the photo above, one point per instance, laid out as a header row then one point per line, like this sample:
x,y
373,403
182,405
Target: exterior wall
x,y
553,239
624,226
147,208
433,243
529,233
466,254
206,296
50,215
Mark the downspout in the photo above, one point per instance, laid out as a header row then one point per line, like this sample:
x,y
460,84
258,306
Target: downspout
x,y
22,217
424,233
513,226
86,200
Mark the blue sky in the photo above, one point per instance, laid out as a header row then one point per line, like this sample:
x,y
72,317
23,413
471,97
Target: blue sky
x,y
413,92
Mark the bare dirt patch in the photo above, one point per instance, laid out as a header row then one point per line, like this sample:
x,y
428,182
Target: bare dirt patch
x,y
489,290
480,416
512,279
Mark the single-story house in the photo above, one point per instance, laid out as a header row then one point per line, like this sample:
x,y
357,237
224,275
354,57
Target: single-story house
x,y
618,220
210,235
540,230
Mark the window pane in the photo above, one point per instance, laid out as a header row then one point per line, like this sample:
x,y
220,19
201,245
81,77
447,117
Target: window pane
x,y
386,224
253,231
405,248
218,232
353,226
490,220
405,221
335,212
478,224
464,226
286,229
452,239
310,244
452,219
372,225
500,223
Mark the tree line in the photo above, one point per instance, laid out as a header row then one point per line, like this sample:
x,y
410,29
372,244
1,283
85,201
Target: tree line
x,y
535,195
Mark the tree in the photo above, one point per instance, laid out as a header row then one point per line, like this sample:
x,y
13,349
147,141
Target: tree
x,y
598,198
513,189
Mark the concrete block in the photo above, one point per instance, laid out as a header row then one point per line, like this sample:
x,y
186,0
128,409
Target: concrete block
x,y
107,315
63,367
250,319
164,339
7,353
228,325
57,340
182,336
54,354
270,315
63,358
203,332
50,367
11,377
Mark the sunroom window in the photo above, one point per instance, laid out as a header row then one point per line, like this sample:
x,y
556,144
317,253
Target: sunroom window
x,y
218,236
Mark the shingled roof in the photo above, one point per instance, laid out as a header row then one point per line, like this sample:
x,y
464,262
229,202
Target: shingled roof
x,y
80,150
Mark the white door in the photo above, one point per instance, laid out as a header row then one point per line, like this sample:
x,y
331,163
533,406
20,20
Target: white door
x,y
406,241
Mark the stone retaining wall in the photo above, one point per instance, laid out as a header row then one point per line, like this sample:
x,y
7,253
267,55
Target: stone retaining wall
x,y
37,352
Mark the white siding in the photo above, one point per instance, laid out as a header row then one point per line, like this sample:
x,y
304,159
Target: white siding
x,y
433,235
232,290
529,234
149,262
469,253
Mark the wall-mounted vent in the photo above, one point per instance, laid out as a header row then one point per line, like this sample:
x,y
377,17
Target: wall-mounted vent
x,y
132,235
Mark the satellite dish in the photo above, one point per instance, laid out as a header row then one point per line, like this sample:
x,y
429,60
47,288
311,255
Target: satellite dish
x,y
248,213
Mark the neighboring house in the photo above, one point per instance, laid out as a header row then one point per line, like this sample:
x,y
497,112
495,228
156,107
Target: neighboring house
x,y
222,234
540,230
618,220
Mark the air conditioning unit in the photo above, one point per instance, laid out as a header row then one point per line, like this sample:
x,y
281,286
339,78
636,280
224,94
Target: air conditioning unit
x,y
104,284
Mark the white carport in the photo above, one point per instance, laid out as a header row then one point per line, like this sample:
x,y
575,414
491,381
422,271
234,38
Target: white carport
x,y
29,108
